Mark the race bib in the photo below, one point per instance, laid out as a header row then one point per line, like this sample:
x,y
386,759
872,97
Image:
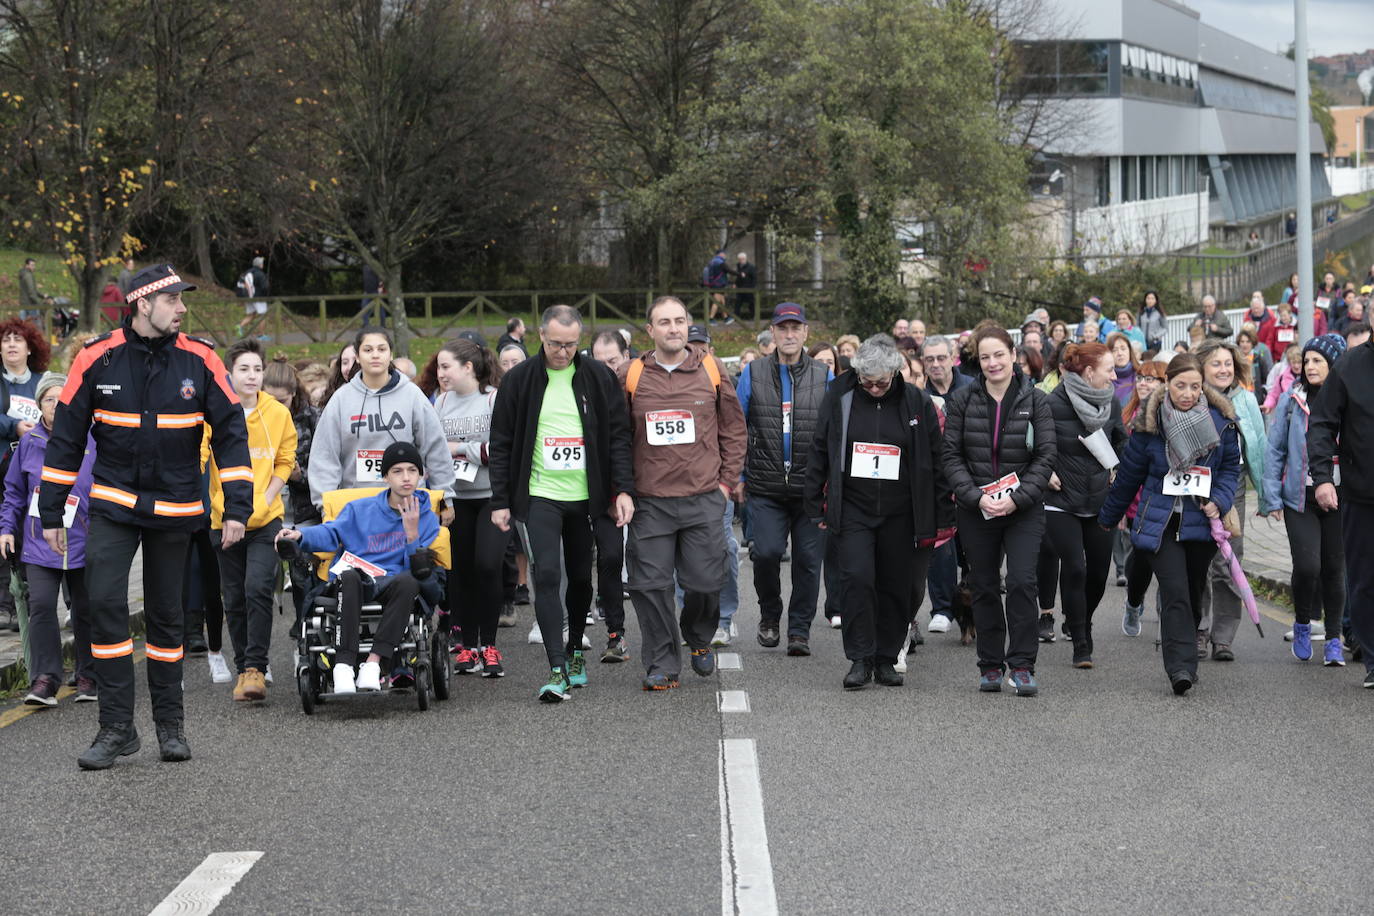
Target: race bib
x,y
22,408
464,470
1285,335
348,561
787,418
873,461
68,514
670,427
369,466
1003,487
1335,472
564,453
1323,302
1195,481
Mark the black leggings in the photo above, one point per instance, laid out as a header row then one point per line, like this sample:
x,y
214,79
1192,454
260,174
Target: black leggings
x,y
1084,551
554,532
1047,574
211,601
1318,548
474,586
1181,568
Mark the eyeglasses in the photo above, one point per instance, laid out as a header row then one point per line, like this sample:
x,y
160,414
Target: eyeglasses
x,y
569,346
880,384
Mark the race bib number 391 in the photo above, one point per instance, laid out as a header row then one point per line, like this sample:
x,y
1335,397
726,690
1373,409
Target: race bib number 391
x,y
564,453
1194,481
670,427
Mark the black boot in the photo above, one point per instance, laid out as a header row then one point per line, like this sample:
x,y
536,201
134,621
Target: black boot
x,y
171,741
860,673
885,673
195,633
111,742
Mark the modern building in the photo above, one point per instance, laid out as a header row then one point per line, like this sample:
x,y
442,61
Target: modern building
x,y
1169,132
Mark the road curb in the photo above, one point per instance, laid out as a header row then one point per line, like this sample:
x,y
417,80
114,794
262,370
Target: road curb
x,y
12,675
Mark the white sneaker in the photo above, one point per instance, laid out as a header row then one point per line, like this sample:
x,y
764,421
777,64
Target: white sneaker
x,y
1318,631
900,666
939,624
267,674
370,676
219,668
591,619
586,641
835,622
343,679
722,637
536,637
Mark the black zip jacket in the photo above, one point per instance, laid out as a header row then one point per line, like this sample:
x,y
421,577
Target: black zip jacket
x,y
969,461
605,431
1083,481
931,505
1342,423
146,402
765,472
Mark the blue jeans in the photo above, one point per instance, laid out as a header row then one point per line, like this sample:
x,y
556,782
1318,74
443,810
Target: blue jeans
x,y
774,522
942,579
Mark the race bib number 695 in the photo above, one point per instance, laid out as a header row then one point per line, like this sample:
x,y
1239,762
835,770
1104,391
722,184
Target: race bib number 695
x,y
564,453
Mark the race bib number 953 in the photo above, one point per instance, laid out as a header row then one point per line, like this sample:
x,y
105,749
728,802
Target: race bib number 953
x,y
369,465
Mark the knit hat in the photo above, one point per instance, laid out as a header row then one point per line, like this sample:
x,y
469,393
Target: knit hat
x,y
1330,346
1095,304
398,452
49,380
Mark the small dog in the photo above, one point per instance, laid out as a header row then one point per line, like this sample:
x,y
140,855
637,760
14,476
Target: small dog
x,y
963,613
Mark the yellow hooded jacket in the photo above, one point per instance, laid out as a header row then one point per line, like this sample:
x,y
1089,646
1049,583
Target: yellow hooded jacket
x,y
272,451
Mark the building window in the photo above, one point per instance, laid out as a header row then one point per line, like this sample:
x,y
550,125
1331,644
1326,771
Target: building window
x,y
1150,74
1075,68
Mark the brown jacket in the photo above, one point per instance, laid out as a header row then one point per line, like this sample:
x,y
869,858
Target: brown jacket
x,y
717,455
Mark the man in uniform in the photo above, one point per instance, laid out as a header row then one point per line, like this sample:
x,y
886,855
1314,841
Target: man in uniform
x,y
560,456
689,443
144,391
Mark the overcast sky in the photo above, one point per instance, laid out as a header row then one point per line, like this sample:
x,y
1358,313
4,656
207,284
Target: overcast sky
x,y
1333,26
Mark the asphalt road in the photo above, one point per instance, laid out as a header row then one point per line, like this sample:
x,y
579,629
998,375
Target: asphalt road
x,y
1104,793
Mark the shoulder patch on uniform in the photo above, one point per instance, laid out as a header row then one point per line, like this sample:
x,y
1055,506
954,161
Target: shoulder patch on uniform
x,y
201,340
96,340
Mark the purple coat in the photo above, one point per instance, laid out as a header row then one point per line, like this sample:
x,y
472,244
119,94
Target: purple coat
x,y
21,480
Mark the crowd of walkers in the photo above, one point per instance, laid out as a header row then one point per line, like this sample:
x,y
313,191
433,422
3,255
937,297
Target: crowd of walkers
x,y
1005,478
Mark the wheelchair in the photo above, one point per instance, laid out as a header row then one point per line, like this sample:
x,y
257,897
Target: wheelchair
x,y
424,647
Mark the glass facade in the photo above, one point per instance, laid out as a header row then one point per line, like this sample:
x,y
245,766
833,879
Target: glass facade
x,y
1150,177
1076,68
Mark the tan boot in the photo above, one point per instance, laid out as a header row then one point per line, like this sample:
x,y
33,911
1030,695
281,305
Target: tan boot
x,y
255,685
241,688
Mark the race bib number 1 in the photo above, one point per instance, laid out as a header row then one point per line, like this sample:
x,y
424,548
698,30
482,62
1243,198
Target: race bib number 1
x,y
873,461
564,453
670,427
1195,481
369,466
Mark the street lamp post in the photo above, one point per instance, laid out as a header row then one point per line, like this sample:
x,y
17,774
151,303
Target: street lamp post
x,y
1303,170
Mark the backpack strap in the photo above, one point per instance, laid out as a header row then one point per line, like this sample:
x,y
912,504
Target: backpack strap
x,y
637,369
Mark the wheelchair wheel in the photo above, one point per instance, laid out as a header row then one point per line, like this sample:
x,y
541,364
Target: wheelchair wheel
x,y
440,666
306,687
424,684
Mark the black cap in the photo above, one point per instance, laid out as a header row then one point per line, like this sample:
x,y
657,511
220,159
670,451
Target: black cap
x,y
473,336
697,334
160,278
398,452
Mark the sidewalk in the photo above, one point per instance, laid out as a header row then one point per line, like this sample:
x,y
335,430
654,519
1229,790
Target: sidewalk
x,y
12,652
1267,561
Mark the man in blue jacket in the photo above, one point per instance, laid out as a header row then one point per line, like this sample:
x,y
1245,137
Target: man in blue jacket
x,y
384,538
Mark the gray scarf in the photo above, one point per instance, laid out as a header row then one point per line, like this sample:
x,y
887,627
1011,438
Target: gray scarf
x,y
1093,405
1188,434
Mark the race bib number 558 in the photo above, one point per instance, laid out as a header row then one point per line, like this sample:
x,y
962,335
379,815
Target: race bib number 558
x,y
670,427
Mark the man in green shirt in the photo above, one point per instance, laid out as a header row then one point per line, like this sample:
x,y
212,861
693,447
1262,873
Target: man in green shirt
x,y
560,456
30,302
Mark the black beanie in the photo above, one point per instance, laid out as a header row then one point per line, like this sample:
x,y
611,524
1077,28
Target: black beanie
x,y
397,452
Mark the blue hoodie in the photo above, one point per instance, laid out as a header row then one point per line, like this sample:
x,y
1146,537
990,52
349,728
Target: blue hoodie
x,y
371,529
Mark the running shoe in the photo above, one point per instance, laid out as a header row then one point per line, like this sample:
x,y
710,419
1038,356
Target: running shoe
x,y
1369,680
939,623
369,676
615,650
507,618
467,661
1302,642
1223,653
522,594
219,668
1334,656
900,666
536,637
557,689
1023,682
703,662
343,679
43,691
491,662
402,678
1046,628
1130,619
990,680
798,646
86,691
577,670
769,635
660,682
835,622
722,637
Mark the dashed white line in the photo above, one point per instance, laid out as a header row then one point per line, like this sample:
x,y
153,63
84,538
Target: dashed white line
x,y
732,701
728,661
746,866
207,885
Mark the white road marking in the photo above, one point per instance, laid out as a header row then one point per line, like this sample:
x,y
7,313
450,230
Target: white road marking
x,y
732,701
746,867
207,885
728,661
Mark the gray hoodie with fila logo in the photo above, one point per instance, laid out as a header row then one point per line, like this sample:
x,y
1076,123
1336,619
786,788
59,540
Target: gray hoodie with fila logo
x,y
358,424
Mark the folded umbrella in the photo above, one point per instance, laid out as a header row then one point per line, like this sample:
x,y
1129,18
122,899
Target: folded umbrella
x,y
1247,595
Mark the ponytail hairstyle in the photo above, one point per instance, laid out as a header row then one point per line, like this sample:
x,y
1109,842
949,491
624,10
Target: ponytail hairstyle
x,y
279,374
428,379
1079,356
483,361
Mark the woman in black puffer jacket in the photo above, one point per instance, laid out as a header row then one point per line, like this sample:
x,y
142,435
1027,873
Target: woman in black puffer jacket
x,y
1000,449
1082,407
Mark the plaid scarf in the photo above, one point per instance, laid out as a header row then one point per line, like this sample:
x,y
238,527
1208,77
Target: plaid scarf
x,y
1188,434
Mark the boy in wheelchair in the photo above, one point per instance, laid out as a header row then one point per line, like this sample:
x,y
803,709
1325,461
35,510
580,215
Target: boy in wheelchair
x,y
390,530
